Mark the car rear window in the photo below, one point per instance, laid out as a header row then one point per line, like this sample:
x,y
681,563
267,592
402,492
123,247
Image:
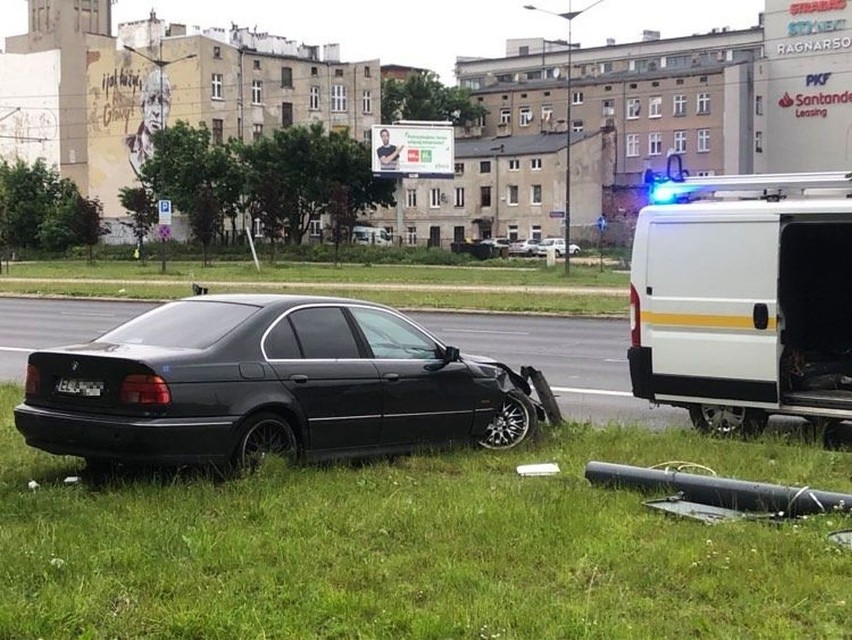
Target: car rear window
x,y
188,324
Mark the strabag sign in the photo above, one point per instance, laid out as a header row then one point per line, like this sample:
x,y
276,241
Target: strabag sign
x,y
413,151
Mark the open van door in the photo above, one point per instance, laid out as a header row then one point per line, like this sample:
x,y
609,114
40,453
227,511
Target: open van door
x,y
710,312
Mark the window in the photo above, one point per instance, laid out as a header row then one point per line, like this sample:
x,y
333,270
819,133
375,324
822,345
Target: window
x,y
324,333
513,233
338,98
634,106
577,97
703,140
216,86
280,342
514,164
314,71
257,132
459,199
434,198
512,195
458,234
535,194
546,112
217,53
338,73
632,145
286,76
315,227
368,137
411,235
535,164
705,174
286,114
680,141
655,107
758,105
758,141
314,102
392,338
577,126
655,144
257,91
505,116
679,106
703,108
256,64
608,108
459,170
367,101
485,166
367,72
535,232
218,129
525,117
485,196
411,198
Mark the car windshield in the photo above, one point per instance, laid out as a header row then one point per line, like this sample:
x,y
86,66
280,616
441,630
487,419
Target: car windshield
x,y
188,324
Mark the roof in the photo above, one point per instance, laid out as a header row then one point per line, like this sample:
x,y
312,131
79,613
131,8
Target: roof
x,y
514,145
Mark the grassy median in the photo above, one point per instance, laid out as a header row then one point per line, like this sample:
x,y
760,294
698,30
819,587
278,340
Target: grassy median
x,y
442,545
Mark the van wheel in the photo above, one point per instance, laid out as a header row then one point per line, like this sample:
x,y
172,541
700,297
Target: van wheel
x,y
726,421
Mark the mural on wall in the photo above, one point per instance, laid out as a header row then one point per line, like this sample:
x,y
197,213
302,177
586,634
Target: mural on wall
x,y
30,133
129,100
155,102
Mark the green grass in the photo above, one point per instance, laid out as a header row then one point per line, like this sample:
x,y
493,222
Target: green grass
x,y
445,545
533,288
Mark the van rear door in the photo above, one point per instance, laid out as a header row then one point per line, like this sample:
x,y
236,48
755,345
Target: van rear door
x,y
709,309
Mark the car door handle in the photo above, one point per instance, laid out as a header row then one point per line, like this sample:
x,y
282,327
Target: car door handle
x,y
760,316
299,378
391,377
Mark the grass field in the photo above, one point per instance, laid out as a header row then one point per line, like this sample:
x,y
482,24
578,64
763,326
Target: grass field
x,y
441,545
533,288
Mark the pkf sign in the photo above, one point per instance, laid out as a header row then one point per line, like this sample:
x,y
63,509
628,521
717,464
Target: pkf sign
x,y
815,104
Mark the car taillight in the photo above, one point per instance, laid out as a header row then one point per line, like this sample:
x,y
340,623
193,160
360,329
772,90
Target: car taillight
x,y
141,389
635,333
33,380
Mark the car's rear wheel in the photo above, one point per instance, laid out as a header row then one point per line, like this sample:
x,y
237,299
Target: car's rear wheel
x,y
514,422
727,420
263,435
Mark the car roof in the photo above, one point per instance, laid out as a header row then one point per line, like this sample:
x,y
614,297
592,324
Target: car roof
x,y
282,301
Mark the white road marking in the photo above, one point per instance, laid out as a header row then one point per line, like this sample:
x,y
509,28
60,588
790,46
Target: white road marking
x,y
88,314
617,360
493,333
16,350
592,392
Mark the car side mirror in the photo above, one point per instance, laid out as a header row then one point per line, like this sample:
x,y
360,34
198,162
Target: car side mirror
x,y
451,354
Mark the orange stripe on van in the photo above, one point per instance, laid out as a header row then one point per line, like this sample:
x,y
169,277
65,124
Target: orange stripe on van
x,y
707,321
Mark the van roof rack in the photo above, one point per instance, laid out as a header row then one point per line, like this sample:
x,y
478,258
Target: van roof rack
x,y
770,186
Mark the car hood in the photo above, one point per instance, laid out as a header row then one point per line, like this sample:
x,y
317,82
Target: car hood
x,y
514,378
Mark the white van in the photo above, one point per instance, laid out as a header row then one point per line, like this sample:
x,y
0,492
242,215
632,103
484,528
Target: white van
x,y
371,235
740,302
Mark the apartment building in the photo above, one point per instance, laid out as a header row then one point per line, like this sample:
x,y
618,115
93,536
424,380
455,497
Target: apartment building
x,y
105,93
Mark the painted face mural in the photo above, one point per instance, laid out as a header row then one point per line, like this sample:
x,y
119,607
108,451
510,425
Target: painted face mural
x,y
155,100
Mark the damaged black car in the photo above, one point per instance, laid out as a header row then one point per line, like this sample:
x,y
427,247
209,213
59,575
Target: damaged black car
x,y
229,379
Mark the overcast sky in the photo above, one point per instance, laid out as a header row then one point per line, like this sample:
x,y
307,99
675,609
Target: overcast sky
x,y
431,34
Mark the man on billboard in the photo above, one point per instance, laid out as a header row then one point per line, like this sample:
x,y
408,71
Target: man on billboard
x,y
388,153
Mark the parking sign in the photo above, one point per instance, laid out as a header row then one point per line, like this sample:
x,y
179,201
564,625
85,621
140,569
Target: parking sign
x,y
165,209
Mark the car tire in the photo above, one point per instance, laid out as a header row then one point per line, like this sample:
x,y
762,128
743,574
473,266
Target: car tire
x,y
265,434
728,421
515,422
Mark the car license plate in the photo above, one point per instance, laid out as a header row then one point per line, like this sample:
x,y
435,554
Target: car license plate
x,y
74,387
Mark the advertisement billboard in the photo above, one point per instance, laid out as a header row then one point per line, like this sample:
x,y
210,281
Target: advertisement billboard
x,y
402,151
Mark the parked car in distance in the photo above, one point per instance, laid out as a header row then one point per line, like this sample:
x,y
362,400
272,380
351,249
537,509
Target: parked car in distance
x,y
559,245
524,247
229,379
371,235
496,242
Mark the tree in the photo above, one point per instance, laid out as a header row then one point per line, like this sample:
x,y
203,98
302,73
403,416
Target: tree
x,y
139,203
30,195
87,224
422,97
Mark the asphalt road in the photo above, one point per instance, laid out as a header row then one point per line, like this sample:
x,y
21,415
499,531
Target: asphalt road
x,y
584,360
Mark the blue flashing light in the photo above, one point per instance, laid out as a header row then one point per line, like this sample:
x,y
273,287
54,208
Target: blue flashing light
x,y
668,192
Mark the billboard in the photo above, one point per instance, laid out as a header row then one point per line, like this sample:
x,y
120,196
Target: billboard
x,y
402,151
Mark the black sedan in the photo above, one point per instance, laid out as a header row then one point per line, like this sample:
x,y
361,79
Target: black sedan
x,y
227,379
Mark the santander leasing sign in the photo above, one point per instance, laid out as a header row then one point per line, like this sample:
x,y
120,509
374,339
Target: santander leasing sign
x,y
816,103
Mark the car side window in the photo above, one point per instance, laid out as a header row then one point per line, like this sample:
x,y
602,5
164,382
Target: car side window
x,y
393,338
280,343
324,333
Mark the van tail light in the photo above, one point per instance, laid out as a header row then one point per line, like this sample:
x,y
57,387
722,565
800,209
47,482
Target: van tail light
x,y
635,321
142,389
33,383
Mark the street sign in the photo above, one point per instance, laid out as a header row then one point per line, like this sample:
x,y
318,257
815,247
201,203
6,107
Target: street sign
x,y
557,214
165,209
164,231
602,224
